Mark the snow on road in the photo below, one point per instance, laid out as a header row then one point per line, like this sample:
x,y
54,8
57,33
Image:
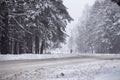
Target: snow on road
x,y
96,70
109,76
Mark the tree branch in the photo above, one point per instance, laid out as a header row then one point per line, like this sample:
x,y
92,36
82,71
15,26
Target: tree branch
x,y
21,26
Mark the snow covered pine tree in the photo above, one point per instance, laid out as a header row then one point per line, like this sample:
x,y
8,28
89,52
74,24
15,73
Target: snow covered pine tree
x,y
31,26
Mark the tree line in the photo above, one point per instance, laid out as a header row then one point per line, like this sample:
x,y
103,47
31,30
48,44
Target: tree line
x,y
32,26
99,29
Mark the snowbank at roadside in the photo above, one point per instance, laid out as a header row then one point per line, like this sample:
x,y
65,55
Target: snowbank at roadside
x,y
34,56
53,55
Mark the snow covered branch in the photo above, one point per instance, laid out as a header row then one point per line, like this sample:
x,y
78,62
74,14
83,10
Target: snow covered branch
x,y
21,26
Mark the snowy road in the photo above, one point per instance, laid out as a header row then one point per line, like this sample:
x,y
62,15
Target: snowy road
x,y
8,68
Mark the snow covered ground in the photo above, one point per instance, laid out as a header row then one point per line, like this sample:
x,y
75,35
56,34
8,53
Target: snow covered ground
x,y
96,70
53,55
34,56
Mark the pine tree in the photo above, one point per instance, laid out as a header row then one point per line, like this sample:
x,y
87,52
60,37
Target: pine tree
x,y
117,1
5,28
34,24
102,27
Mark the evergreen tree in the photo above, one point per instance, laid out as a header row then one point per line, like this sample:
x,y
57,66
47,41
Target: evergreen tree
x,y
102,27
31,26
4,28
117,1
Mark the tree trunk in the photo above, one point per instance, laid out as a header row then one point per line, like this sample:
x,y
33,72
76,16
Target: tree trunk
x,y
12,46
29,42
33,45
42,47
0,45
36,44
16,48
21,47
4,37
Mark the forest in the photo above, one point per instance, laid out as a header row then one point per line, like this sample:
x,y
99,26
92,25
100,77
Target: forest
x,y
99,28
32,26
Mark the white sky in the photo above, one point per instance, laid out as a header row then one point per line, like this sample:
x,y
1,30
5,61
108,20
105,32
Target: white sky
x,y
75,8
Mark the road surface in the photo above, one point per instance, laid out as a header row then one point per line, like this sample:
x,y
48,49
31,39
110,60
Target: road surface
x,y
10,67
